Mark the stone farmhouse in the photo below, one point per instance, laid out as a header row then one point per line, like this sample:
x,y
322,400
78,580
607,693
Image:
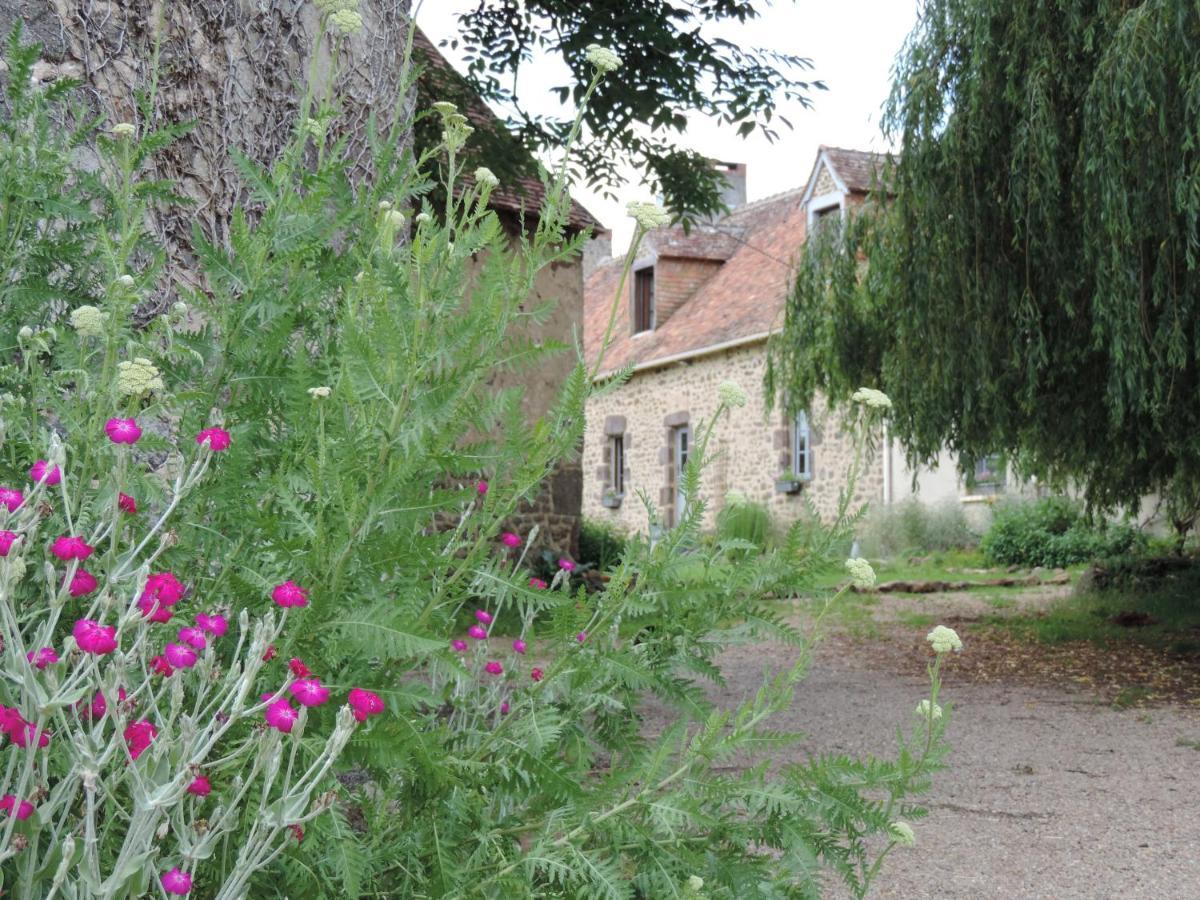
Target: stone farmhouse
x,y
697,309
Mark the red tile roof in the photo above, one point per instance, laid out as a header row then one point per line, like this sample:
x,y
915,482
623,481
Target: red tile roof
x,y
859,170
743,300
521,194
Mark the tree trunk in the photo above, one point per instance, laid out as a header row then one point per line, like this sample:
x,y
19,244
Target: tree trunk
x,y
237,69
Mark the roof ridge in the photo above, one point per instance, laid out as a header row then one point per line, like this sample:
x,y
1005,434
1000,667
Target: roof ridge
x,y
764,201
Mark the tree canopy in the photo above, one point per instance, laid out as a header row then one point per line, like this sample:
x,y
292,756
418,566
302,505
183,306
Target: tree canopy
x,y
1034,275
672,64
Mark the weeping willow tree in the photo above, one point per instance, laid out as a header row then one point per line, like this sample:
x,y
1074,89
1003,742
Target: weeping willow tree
x,y
1034,273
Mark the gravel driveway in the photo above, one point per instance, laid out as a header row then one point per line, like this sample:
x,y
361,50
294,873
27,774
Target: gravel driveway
x,y
1051,792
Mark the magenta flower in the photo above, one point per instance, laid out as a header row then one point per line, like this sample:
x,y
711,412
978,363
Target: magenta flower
x,y
139,736
154,610
24,808
537,584
179,656
297,832
494,668
364,703
519,646
481,487
127,504
92,637
581,637
123,431
477,632
281,715
510,540
43,472
42,658
164,587
214,624
193,637
217,439
200,786
309,692
566,565
269,653
483,616
459,645
176,882
504,708
68,548
83,583
11,498
536,674
290,594
160,666
7,539
27,734
298,668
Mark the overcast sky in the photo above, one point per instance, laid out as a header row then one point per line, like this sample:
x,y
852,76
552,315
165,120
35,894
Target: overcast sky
x,y
852,44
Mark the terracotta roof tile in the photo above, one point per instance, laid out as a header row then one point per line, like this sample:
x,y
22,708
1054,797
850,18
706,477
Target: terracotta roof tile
x,y
860,170
742,300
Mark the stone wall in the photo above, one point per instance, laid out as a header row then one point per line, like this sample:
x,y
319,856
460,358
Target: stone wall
x,y
748,450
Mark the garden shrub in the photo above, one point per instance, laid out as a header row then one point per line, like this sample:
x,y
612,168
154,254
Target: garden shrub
x,y
744,522
332,378
1053,532
600,545
913,527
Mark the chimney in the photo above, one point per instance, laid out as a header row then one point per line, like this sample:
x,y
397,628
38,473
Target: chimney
x,y
597,251
734,194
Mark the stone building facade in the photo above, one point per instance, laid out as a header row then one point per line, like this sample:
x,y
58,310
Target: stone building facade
x,y
711,299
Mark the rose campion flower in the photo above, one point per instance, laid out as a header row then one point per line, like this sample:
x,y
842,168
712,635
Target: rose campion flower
x,y
581,637
11,498
42,471
218,439
459,645
160,666
309,692
477,632
139,736
510,540
536,674
179,656
164,587
290,594
24,808
200,786
494,668
519,646
364,703
122,431
154,610
92,637
566,565
537,584
126,504
504,708
27,734
297,832
7,539
11,721
68,547
281,715
483,616
99,706
83,583
193,637
269,653
298,668
42,658
481,488
214,624
176,882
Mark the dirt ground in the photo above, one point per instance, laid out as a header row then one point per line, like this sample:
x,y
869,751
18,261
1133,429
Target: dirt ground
x,y
1053,791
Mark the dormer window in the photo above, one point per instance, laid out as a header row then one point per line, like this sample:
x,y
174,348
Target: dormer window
x,y
643,300
823,218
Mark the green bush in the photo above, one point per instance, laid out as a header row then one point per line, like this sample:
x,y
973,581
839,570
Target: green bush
x,y
601,545
913,527
1053,532
744,523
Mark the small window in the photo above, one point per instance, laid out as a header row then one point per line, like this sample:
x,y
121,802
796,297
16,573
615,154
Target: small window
x,y
801,448
616,477
990,475
643,300
823,219
681,438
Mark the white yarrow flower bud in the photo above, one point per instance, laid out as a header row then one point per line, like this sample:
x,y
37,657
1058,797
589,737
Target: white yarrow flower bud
x,y
695,882
486,178
423,218
603,59
125,281
861,573
346,21
944,639
138,377
320,392
872,398
25,333
731,394
394,218
123,130
648,215
902,834
88,321
926,710
444,108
